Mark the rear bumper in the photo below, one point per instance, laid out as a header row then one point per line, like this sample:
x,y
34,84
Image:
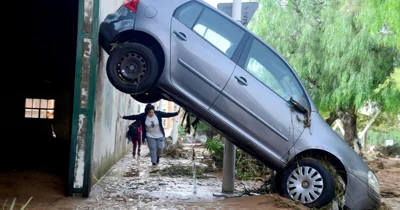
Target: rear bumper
x,y
359,195
114,24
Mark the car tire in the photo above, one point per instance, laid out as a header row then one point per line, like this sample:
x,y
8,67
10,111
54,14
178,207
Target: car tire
x,y
147,97
300,187
132,68
278,183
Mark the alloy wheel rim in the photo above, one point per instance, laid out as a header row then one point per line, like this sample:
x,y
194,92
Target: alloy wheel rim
x,y
305,184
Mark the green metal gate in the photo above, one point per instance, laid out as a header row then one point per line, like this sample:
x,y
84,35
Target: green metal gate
x,y
84,95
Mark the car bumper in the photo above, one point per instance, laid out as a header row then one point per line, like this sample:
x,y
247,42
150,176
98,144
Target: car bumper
x,y
113,25
359,195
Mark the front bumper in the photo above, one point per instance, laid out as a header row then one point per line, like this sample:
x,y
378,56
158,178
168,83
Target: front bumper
x,y
113,25
359,196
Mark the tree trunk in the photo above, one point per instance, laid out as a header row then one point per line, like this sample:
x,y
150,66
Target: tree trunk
x,y
349,121
332,118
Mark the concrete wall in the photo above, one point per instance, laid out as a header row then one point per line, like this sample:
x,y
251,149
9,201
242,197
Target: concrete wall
x,y
109,142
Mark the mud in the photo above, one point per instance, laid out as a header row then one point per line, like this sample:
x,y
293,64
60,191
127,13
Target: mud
x,y
134,184
388,174
131,184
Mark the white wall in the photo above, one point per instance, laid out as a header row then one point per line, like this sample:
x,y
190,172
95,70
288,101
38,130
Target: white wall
x,y
109,142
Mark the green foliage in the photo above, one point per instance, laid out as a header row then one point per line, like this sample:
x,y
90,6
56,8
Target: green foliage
x,y
379,138
333,52
181,131
385,122
396,77
217,151
381,19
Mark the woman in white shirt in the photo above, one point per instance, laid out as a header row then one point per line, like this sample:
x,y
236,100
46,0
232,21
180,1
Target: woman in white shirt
x,y
153,129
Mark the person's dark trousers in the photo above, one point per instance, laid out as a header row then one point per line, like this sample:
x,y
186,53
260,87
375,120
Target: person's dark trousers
x,y
137,143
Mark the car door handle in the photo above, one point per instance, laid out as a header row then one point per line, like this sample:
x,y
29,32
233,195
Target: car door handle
x,y
241,80
180,35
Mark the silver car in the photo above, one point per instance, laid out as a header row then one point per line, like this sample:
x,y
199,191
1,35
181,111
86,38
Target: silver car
x,y
193,54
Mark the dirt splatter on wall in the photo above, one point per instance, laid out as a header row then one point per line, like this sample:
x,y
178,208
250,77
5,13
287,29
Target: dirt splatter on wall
x,y
109,143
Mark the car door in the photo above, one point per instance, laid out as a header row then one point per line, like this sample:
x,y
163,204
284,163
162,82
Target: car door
x,y
203,51
255,100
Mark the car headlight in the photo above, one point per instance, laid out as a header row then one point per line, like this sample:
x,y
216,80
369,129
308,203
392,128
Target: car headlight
x,y
373,182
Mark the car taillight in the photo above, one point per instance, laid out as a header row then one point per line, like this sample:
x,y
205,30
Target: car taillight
x,y
132,5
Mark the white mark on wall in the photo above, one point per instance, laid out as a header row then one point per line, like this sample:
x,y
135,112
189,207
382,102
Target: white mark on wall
x,y
85,74
80,152
84,92
88,5
88,51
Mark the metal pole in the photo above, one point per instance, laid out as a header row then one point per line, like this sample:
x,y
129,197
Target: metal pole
x,y
228,182
175,126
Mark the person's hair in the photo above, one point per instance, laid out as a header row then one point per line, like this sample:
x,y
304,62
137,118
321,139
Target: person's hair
x,y
148,108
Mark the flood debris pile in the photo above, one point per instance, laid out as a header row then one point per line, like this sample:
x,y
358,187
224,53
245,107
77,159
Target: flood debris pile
x,y
384,206
179,170
247,167
267,187
264,187
176,150
388,151
383,152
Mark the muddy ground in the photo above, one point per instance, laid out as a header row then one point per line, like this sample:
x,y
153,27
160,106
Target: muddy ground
x,y
133,184
388,173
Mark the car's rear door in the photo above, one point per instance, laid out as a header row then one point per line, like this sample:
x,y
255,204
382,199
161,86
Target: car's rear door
x,y
204,49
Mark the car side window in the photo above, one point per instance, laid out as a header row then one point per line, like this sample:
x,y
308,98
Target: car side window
x,y
188,13
219,31
271,70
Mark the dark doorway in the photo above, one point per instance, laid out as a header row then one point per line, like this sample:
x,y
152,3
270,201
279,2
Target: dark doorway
x,y
35,153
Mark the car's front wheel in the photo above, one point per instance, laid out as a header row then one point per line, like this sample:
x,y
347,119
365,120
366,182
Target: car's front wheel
x,y
132,68
308,182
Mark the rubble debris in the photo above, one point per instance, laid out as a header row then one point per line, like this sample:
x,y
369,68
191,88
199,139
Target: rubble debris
x,y
384,206
387,151
179,170
174,150
264,188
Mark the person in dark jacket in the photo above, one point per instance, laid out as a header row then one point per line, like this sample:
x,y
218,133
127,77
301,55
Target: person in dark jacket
x,y
136,139
152,129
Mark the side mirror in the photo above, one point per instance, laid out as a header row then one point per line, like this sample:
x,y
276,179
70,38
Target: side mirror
x,y
300,103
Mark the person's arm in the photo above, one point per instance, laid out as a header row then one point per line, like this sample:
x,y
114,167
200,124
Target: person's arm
x,y
168,114
130,117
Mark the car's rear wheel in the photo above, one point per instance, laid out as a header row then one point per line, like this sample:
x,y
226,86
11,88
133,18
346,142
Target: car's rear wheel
x,y
308,182
132,68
